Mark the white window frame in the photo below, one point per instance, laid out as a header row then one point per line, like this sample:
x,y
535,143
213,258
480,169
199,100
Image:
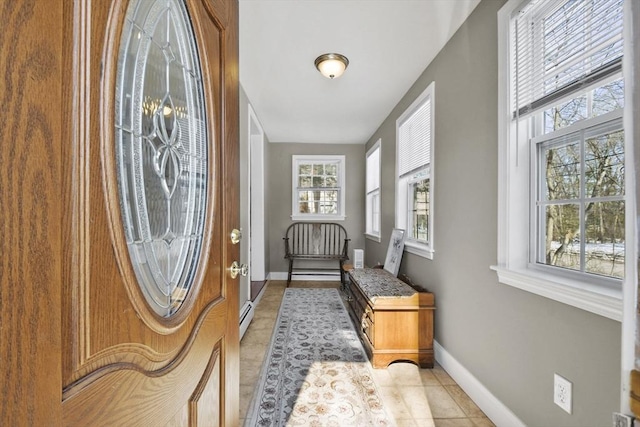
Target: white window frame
x,y
297,160
403,201
373,196
515,189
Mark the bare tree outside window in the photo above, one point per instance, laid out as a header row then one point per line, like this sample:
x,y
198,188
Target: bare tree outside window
x,y
420,210
584,187
318,188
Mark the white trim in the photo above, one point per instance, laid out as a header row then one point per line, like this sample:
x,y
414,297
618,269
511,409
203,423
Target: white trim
x,y
504,149
594,299
277,275
584,124
256,230
367,213
261,293
493,408
307,275
418,249
631,67
515,217
372,237
401,197
311,217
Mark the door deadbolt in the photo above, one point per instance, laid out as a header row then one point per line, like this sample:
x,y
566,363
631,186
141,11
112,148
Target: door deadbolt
x,y
236,235
235,269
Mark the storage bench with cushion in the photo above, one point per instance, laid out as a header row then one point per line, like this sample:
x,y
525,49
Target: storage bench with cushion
x,y
395,321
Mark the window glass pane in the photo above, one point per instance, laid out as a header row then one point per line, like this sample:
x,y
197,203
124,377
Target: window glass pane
x,y
373,213
562,171
420,210
604,248
601,100
601,159
320,201
305,195
607,98
318,175
565,114
604,165
331,195
373,170
304,169
561,233
328,207
304,207
376,213
304,181
313,174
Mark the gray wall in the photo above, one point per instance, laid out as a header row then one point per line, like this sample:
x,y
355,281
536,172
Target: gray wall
x,y
512,341
279,201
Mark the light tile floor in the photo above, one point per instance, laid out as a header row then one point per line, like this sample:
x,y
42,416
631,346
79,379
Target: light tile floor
x,y
413,396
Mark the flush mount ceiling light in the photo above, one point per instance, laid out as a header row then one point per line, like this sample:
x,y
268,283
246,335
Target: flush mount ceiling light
x,y
331,65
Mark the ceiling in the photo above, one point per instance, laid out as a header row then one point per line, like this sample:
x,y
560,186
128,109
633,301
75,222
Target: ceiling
x,y
389,43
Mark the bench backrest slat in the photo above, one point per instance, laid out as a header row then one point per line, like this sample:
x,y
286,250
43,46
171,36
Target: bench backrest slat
x,y
316,238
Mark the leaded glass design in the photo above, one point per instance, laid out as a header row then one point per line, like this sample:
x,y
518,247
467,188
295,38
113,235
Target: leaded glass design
x,y
161,150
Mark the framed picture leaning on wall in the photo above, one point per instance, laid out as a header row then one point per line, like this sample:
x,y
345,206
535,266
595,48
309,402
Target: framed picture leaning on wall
x,y
394,251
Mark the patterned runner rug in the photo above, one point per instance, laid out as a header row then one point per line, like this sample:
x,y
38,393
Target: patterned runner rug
x,y
316,372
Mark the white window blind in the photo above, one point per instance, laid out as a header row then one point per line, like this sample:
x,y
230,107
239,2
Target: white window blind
x,y
414,139
373,170
561,47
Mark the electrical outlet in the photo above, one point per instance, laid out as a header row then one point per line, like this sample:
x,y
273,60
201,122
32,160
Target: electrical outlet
x,y
622,420
562,392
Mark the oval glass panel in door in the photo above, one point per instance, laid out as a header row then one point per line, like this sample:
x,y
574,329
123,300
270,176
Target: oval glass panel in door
x,y
161,150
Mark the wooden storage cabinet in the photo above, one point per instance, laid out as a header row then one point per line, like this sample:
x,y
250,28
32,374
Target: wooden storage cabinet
x,y
394,320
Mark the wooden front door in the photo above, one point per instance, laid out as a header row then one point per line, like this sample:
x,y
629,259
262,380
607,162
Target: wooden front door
x,y
81,341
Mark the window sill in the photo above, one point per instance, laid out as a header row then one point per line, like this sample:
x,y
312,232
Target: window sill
x,y
372,237
417,249
318,217
592,298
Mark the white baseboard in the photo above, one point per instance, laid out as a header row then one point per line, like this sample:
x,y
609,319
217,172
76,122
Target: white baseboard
x,y
262,291
493,408
305,275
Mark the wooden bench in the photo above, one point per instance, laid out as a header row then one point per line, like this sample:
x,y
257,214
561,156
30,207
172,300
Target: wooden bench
x,y
320,241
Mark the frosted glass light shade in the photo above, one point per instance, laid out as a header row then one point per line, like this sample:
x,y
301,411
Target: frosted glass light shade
x,y
331,65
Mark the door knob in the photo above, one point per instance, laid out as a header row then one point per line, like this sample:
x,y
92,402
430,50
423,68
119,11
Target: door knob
x,y
235,269
236,235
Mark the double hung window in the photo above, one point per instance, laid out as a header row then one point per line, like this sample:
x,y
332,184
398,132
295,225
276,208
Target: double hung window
x,y
318,187
414,179
562,150
373,192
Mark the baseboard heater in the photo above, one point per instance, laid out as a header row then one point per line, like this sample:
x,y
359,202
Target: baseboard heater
x,y
330,272
245,317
